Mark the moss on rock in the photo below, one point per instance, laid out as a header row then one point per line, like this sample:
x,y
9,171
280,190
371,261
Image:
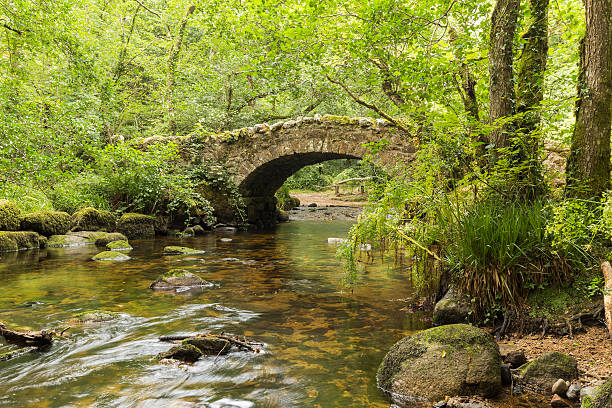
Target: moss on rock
x,y
210,345
90,219
540,374
17,240
178,278
179,250
603,397
46,223
120,245
110,256
135,226
93,316
182,352
109,237
456,359
9,216
58,241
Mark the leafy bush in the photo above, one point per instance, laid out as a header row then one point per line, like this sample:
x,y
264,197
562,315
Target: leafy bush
x,y
284,200
81,191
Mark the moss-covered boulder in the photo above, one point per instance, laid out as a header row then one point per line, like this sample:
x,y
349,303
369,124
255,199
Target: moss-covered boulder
x,y
58,241
93,316
183,352
451,360
452,308
602,398
161,224
90,219
19,240
178,278
110,256
90,236
188,232
120,245
544,371
179,250
198,230
135,226
46,223
210,345
9,216
109,237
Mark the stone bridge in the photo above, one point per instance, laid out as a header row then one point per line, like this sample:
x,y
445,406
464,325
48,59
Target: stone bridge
x,y
262,157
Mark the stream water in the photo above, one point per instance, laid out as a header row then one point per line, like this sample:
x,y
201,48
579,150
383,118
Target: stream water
x,y
322,345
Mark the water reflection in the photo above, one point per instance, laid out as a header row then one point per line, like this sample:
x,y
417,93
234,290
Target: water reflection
x,y
322,346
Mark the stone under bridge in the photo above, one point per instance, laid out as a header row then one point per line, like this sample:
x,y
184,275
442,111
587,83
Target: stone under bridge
x,y
262,157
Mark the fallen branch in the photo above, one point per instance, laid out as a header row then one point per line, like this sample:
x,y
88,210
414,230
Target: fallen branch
x,y
37,339
17,353
242,344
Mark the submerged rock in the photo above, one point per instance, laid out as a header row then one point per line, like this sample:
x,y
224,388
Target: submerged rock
x,y
119,245
544,371
58,241
90,219
198,230
179,250
178,278
107,238
226,240
451,309
457,359
110,256
93,316
135,226
46,223
9,216
210,345
183,352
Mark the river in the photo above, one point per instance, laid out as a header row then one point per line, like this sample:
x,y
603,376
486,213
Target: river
x,y
322,344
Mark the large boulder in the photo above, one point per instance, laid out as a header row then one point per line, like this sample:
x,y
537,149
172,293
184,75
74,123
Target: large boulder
x,y
18,240
178,278
46,223
452,308
451,360
135,226
543,372
9,216
119,246
90,219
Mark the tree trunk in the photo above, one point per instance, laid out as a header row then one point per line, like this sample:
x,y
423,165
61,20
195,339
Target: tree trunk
x,y
607,272
501,76
530,92
173,57
588,166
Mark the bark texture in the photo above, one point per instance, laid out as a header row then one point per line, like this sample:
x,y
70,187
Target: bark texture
x,y
607,272
588,166
502,98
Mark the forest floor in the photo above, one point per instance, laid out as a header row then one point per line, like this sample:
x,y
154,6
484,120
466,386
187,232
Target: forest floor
x,y
592,350
328,198
346,207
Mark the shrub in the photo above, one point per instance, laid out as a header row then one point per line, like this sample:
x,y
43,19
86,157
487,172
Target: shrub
x,y
73,194
284,200
27,199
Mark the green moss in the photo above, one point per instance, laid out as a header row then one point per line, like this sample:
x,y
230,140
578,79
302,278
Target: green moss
x,y
603,398
341,120
182,352
110,256
172,273
109,237
57,241
118,245
9,216
209,345
179,250
16,240
95,315
90,219
136,226
46,223
542,372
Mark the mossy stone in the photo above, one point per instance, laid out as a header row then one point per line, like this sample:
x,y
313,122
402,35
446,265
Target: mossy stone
x,y
58,241
18,240
46,223
120,245
451,309
183,352
540,374
110,256
603,397
457,359
90,219
109,237
177,278
198,230
135,226
179,250
9,216
94,316
210,345
188,232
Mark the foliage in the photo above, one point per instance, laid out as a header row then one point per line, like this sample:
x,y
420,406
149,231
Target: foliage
x,y
80,191
28,199
284,200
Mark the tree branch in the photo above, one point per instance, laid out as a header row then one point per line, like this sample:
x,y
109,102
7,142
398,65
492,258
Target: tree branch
x,y
368,105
